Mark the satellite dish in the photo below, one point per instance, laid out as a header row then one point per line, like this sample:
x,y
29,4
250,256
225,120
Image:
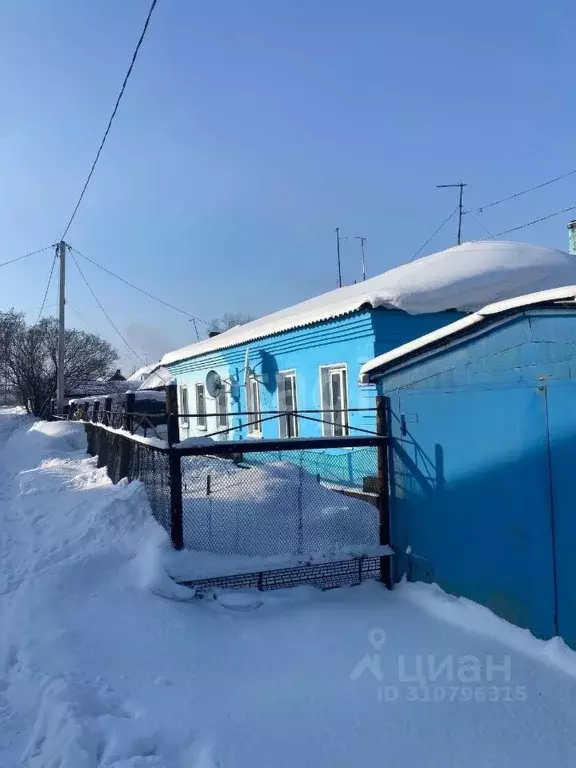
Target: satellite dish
x,y
214,384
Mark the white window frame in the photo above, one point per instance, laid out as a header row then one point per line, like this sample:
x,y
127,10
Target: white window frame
x,y
201,417
281,376
327,398
183,392
226,394
254,430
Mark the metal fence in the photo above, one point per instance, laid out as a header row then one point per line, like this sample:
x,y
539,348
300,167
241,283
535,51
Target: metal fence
x,y
264,499
258,504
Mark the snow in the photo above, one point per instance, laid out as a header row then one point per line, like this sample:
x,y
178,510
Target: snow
x,y
153,442
466,278
142,373
273,508
566,294
159,377
105,663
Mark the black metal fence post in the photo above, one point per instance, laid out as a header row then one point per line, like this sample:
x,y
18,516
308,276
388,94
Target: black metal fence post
x,y
107,411
382,428
129,412
174,460
126,445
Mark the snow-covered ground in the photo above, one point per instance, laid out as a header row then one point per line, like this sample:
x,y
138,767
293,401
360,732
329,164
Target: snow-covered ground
x,y
273,508
104,662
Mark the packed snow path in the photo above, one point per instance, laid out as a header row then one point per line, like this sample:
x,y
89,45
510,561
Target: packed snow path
x,y
98,669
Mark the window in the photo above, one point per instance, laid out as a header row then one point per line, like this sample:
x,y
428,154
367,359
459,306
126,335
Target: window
x,y
287,401
253,403
200,406
184,406
222,409
334,386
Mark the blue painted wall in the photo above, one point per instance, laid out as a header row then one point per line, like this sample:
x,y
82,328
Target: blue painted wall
x,y
352,339
484,453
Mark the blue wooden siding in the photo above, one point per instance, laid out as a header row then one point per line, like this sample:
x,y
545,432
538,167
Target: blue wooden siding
x,y
350,340
483,464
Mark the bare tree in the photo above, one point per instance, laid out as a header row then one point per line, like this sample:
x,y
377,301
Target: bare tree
x,y
32,358
11,325
230,320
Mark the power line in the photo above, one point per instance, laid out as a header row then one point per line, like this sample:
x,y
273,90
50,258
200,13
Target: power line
x,y
529,223
479,223
112,116
32,253
482,208
433,235
141,290
106,315
79,315
47,286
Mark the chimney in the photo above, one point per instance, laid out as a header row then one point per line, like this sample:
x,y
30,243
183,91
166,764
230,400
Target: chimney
x,y
572,237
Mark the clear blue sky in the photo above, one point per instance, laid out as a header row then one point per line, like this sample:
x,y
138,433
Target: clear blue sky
x,y
249,130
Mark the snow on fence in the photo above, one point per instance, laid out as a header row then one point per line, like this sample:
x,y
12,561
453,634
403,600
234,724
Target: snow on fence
x,y
292,501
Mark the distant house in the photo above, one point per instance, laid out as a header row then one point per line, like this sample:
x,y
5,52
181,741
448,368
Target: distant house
x,y
309,356
117,376
484,455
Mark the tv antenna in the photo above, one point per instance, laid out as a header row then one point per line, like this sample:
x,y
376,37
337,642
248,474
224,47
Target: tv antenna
x,y
461,185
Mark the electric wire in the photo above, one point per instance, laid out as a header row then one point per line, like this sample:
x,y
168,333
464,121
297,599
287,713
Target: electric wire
x,y
481,208
433,235
479,223
48,285
141,290
113,115
529,223
106,315
25,256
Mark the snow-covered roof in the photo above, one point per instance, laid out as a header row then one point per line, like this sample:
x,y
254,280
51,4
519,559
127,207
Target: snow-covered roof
x,y
465,278
142,373
159,377
395,356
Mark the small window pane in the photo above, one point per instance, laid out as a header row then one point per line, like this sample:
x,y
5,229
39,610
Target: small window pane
x,y
222,408
184,405
253,402
287,402
200,405
334,394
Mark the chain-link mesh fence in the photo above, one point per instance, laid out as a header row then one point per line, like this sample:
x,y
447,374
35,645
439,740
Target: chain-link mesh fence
x,y
125,457
280,503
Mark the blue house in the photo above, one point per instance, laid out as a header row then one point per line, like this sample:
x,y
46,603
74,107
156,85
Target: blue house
x,y
309,356
484,458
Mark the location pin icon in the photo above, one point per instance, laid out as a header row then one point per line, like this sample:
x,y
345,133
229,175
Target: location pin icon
x,y
377,638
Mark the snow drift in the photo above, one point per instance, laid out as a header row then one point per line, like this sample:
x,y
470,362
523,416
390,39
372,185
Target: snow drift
x,y
96,671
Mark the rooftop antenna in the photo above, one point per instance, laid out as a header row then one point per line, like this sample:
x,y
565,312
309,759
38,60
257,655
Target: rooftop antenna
x,y
193,320
460,209
338,241
362,241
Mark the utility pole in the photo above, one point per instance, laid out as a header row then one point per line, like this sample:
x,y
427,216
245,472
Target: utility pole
x,y
460,209
362,241
338,254
61,328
